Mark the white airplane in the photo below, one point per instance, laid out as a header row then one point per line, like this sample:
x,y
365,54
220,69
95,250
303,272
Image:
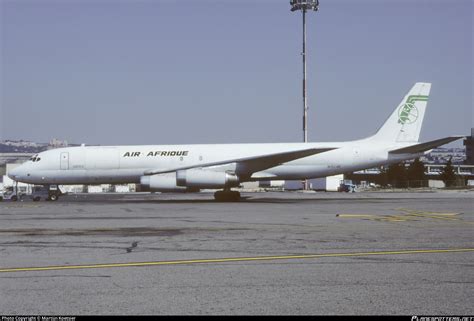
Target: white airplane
x,y
169,168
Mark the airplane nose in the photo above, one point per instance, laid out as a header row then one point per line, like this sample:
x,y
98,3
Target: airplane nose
x,y
14,173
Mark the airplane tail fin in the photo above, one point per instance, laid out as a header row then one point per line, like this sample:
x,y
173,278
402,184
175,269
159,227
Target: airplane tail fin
x,y
404,125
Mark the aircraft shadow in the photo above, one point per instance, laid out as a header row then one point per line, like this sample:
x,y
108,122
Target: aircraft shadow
x,y
210,200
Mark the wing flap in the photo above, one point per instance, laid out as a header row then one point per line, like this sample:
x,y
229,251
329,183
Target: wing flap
x,y
419,148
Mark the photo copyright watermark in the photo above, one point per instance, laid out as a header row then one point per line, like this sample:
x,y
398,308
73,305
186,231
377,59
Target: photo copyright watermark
x,y
416,318
37,318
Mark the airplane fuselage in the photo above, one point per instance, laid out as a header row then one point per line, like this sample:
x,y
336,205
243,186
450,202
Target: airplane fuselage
x,y
127,164
168,168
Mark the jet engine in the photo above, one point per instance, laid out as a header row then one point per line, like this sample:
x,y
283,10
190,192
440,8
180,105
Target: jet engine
x,y
163,183
206,179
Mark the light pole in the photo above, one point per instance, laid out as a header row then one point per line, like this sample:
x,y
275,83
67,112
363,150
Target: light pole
x,y
304,5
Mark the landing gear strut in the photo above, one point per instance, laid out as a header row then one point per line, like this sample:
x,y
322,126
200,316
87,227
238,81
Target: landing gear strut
x,y
227,196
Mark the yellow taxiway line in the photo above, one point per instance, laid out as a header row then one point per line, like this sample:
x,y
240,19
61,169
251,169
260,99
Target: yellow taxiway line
x,y
407,215
355,215
227,260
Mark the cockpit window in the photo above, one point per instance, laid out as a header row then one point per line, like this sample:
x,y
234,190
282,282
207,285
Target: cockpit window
x,y
35,158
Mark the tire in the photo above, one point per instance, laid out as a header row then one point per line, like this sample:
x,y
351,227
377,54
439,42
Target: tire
x,y
14,198
36,199
53,197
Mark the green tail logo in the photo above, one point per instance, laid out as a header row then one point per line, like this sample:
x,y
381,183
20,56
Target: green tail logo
x,y
408,113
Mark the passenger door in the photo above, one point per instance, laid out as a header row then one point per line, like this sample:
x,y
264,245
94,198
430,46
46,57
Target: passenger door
x,y
64,161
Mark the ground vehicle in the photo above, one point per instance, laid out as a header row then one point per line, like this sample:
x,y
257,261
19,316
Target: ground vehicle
x,y
48,193
53,192
346,186
10,194
39,192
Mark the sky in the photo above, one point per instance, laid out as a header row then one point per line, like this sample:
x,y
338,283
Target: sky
x,y
228,71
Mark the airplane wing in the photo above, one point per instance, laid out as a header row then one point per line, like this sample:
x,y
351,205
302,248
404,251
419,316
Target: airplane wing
x,y
418,148
249,165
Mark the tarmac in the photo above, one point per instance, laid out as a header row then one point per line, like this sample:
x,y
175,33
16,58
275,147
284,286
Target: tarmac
x,y
408,253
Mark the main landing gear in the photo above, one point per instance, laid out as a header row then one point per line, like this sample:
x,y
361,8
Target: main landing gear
x,y
227,196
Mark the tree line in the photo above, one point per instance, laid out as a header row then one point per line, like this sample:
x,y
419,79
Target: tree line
x,y
401,176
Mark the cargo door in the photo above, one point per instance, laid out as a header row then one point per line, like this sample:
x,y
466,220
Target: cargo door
x,y
64,161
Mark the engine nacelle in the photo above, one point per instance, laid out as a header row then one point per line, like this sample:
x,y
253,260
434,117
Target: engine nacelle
x,y
163,183
201,178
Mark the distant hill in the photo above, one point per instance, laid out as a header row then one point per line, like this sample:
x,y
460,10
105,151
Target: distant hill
x,y
11,150
10,146
24,146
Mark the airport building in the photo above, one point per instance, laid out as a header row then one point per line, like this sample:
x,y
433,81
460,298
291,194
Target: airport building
x,y
328,184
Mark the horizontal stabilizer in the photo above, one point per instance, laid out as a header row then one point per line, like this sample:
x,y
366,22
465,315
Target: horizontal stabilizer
x,y
249,165
419,148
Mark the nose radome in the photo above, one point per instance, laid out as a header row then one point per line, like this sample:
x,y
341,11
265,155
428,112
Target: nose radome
x,y
14,173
